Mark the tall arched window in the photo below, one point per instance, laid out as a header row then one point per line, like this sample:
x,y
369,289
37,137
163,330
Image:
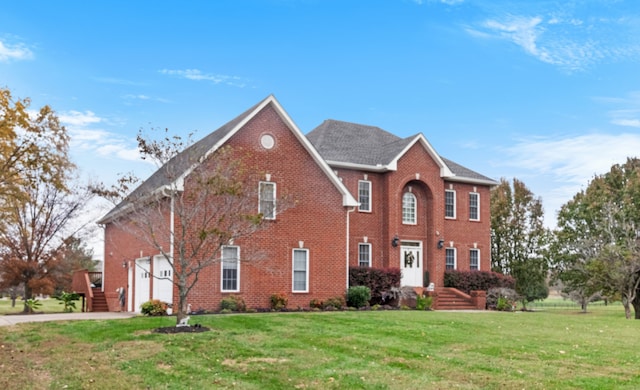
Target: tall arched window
x,y
409,208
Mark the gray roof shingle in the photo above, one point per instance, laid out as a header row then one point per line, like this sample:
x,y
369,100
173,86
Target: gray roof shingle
x,y
352,143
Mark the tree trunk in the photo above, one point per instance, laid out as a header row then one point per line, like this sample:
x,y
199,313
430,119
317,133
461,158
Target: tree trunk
x,y
627,308
636,306
28,294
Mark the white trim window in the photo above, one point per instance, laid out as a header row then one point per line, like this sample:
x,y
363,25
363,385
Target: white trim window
x,y
364,195
300,274
230,269
474,259
450,204
450,258
267,199
364,255
474,206
409,208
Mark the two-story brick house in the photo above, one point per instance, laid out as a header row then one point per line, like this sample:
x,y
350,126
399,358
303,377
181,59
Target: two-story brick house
x,y
363,196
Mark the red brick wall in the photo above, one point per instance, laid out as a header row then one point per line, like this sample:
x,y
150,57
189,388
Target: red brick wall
x,y
317,219
416,169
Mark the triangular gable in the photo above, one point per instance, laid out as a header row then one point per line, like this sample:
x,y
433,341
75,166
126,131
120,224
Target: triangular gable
x,y
444,169
158,182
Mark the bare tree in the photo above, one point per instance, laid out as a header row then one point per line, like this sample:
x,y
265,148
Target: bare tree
x,y
32,242
196,203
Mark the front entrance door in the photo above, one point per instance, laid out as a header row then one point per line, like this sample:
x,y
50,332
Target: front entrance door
x,y
411,264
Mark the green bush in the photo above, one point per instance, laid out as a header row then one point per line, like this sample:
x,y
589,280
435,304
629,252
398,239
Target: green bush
x,y
501,298
68,300
233,303
424,302
335,303
32,304
154,307
278,301
358,296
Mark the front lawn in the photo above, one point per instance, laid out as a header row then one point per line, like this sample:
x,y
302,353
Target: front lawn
x,y
330,350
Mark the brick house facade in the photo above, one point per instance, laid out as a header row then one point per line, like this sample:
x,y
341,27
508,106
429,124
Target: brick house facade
x,y
362,197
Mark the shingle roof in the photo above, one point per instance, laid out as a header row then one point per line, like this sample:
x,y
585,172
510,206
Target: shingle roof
x,y
183,162
179,164
352,143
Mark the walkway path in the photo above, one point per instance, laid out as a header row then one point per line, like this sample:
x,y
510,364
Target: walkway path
x,y
11,319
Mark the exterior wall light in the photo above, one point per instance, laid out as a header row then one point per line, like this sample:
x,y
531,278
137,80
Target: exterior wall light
x,y
440,243
394,242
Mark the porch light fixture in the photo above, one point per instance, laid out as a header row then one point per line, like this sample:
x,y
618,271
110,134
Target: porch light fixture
x,y
440,243
394,242
124,264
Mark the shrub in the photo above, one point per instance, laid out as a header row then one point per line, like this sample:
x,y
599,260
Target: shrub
x,y
335,303
68,300
316,304
501,298
278,301
32,304
379,280
468,281
424,302
358,296
233,303
154,307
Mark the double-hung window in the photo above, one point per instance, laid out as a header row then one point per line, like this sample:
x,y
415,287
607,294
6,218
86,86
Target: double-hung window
x,y
300,270
450,258
450,204
230,268
364,255
474,206
364,195
267,201
474,259
409,208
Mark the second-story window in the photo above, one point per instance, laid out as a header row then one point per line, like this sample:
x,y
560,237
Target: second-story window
x,y
267,202
474,206
450,204
364,195
409,208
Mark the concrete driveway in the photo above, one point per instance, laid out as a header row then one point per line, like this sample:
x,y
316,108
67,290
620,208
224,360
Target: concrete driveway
x,y
12,319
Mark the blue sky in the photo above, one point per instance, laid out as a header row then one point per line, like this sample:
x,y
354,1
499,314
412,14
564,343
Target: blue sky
x,y
545,91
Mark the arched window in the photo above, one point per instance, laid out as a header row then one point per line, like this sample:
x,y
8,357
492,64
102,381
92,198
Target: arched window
x,y
409,208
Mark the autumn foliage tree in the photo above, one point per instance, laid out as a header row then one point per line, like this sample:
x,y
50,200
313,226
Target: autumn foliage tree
x,y
197,202
519,238
37,204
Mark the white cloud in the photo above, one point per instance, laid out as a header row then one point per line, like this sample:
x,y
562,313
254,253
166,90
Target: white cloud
x,y
572,37
197,75
85,139
556,168
14,52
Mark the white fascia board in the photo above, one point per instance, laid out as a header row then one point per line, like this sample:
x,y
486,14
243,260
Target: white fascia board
x,y
347,199
361,167
470,180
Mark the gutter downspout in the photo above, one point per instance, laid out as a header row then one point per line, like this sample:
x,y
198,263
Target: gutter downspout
x,y
349,211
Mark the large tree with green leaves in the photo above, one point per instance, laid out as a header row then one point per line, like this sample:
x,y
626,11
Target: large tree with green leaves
x,y
598,231
519,238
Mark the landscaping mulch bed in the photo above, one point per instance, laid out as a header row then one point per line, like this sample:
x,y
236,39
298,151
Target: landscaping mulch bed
x,y
182,329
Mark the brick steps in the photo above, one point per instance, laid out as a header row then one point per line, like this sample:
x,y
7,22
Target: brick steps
x,y
99,301
451,300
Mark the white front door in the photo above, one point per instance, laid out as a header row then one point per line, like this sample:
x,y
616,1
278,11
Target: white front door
x,y
162,279
142,282
411,264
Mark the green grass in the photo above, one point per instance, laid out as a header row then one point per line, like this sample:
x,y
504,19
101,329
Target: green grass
x,y
49,305
331,350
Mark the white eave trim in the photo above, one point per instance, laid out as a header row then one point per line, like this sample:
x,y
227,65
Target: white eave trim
x,y
363,167
444,169
471,180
